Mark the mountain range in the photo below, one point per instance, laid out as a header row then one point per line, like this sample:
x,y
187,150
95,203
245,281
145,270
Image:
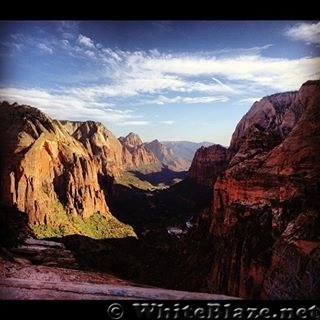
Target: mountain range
x,y
63,169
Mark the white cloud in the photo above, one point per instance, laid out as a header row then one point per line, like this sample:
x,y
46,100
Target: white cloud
x,y
69,26
307,32
145,72
169,122
68,106
267,72
228,89
249,100
155,77
45,48
67,35
65,42
134,123
204,99
241,51
163,100
86,41
90,54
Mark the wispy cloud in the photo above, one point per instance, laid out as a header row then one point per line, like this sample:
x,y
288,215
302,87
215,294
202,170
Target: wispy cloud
x,y
234,52
163,100
69,106
198,72
133,123
249,101
169,122
307,32
160,78
86,41
228,89
68,29
204,99
45,48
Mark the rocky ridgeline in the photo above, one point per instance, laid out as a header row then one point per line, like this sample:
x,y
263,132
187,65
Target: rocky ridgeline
x,y
52,170
264,219
44,169
208,163
139,154
174,161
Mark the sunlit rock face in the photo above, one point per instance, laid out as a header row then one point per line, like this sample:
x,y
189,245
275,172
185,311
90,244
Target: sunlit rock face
x,y
137,154
44,169
49,166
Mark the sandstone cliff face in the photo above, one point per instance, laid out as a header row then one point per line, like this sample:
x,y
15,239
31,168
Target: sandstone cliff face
x,y
264,214
135,153
167,157
43,169
208,163
159,150
264,217
101,144
276,114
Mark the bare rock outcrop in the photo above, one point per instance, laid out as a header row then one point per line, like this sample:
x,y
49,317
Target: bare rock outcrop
x,y
137,154
208,163
44,169
100,143
30,282
264,219
167,156
264,210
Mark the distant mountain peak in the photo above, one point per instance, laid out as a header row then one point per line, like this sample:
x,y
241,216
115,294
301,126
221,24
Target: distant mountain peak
x,y
131,140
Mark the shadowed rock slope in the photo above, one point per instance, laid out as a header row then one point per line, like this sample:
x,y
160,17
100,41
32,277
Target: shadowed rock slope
x,y
264,221
208,163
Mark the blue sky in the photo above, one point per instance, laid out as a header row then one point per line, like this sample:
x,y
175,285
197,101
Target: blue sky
x,y
166,80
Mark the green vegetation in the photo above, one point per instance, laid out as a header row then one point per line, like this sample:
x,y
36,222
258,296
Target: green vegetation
x,y
150,177
97,226
129,179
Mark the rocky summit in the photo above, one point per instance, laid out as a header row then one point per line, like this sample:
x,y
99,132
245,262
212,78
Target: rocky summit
x,y
208,163
264,217
140,155
49,169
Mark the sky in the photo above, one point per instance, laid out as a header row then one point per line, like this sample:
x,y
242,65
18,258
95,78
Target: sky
x,y
166,80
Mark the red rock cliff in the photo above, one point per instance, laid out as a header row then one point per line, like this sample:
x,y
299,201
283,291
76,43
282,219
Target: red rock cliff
x,y
44,169
135,152
208,163
264,220
264,214
167,157
101,143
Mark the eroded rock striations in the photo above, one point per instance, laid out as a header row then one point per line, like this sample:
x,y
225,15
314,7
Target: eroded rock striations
x,y
44,169
137,154
167,156
51,166
264,220
208,163
101,144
